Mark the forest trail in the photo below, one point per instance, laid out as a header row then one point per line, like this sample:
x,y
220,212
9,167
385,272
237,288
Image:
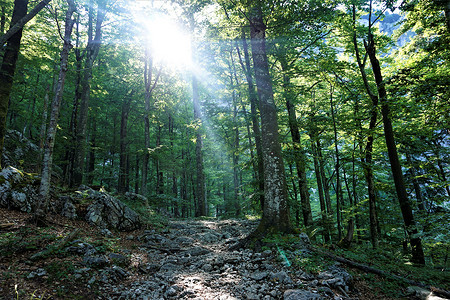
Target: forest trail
x,y
190,260
184,259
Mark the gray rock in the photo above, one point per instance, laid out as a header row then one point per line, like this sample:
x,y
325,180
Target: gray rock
x,y
69,210
106,232
172,290
82,248
119,259
169,267
207,268
37,273
258,276
18,190
281,277
252,296
184,240
208,238
95,261
149,268
196,251
415,291
108,212
300,295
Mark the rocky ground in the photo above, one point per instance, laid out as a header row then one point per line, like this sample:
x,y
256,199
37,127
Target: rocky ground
x,y
186,259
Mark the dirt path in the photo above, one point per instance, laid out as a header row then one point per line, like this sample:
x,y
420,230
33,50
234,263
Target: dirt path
x,y
190,260
186,260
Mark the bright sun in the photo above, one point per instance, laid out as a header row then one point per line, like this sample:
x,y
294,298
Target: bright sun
x,y
168,43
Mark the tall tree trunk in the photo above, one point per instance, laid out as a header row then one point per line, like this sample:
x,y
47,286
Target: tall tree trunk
x,y
366,160
91,52
43,127
323,208
149,88
123,172
200,180
200,208
136,175
417,191
405,205
159,172
337,168
276,216
29,124
44,188
254,107
176,211
8,67
234,82
299,156
92,147
70,152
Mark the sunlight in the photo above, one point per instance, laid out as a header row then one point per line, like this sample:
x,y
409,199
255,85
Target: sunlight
x,y
168,42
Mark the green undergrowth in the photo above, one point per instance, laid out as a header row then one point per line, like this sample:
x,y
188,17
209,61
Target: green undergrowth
x,y
26,239
291,252
396,262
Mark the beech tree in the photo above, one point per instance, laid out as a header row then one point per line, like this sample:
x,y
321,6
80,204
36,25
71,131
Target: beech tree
x,y
47,161
276,211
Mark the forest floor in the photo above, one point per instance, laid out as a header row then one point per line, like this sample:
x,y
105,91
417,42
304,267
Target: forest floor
x,y
184,259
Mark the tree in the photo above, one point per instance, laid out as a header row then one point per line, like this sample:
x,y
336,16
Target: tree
x,y
91,52
275,216
405,205
47,161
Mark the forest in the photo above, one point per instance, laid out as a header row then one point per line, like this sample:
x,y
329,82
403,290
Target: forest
x,y
330,118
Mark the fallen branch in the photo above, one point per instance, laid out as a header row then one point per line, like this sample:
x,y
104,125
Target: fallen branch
x,y
58,246
379,272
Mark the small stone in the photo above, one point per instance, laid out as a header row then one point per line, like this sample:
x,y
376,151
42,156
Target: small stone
x,y
313,283
258,276
207,268
281,277
300,295
172,291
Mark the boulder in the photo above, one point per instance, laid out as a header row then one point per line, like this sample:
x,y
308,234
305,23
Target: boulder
x,y
109,212
20,151
18,190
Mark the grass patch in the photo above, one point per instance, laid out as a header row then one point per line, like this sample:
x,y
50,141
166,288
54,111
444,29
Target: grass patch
x,y
24,240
